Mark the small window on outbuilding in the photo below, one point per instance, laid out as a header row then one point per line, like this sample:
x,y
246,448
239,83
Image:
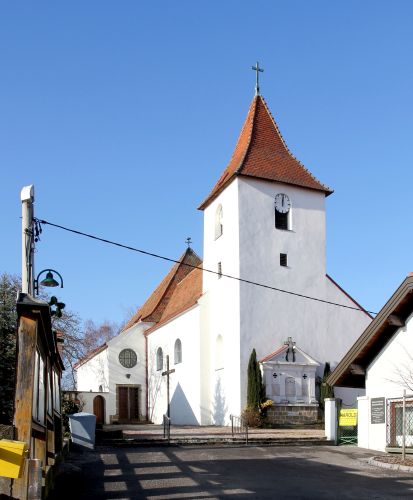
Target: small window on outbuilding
x,y
219,227
159,359
178,351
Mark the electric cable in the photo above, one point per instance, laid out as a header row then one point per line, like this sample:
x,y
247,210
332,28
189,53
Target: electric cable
x,y
168,259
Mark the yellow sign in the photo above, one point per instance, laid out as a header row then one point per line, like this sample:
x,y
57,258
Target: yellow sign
x,y
11,457
348,417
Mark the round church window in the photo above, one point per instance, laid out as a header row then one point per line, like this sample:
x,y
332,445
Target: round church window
x,y
128,358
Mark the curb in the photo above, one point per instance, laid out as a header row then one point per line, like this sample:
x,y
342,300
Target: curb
x,y
214,442
384,465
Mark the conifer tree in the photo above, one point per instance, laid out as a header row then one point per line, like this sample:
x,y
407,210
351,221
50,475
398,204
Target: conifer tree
x,y
9,286
255,388
326,390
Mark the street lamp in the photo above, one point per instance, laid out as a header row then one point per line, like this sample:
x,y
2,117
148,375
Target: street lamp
x,y
48,280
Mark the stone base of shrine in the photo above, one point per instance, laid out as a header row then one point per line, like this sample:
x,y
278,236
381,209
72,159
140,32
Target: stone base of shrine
x,y
293,414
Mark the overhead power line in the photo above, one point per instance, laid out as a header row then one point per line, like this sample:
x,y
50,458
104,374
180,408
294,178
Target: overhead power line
x,y
168,259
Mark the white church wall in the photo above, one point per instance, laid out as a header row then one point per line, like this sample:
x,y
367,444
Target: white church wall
x,y
134,339
384,378
93,376
269,317
347,324
221,312
185,382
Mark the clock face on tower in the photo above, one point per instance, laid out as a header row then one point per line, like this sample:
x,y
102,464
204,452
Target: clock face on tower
x,y
282,203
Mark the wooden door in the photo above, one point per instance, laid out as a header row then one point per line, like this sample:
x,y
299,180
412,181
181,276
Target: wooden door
x,y
128,398
99,409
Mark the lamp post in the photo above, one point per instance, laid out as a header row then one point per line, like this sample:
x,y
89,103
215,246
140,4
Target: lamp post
x,y
27,199
30,285
49,281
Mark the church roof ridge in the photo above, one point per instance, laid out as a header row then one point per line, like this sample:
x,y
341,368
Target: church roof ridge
x,y
262,152
157,302
184,297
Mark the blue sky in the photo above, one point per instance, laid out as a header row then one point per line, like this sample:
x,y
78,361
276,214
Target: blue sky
x,y
124,114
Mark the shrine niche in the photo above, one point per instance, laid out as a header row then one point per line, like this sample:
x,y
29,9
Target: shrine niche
x,y
289,375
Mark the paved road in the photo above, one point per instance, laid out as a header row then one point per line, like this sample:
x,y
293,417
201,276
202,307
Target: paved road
x,y
230,472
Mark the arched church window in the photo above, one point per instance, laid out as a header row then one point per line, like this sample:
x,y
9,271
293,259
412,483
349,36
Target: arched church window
x,y
178,352
282,211
219,353
159,359
219,228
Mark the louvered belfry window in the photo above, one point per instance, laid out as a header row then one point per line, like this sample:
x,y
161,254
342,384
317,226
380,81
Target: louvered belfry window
x,y
283,259
281,220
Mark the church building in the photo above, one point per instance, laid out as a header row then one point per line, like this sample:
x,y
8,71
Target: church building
x,y
261,284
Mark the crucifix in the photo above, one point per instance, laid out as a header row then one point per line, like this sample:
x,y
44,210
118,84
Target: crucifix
x,y
167,373
258,70
291,348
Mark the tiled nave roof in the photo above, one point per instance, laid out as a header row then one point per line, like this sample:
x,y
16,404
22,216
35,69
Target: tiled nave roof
x,y
153,309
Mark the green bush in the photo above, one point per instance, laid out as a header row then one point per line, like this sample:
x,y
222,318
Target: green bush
x,y
68,408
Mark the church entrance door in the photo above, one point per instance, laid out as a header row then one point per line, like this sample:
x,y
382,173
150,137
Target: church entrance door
x,y
128,403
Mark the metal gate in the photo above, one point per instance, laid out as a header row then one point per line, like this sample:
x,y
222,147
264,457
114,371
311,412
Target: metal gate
x,y
395,426
347,426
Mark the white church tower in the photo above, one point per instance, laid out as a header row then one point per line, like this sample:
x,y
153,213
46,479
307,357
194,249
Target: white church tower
x,y
264,222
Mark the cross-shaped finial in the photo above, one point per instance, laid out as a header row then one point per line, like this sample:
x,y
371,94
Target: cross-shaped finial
x,y
258,71
188,241
291,348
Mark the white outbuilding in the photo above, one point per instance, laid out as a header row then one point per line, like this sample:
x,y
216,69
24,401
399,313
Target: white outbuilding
x,y
381,362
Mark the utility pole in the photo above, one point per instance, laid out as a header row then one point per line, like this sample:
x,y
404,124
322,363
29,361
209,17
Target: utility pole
x,y
27,199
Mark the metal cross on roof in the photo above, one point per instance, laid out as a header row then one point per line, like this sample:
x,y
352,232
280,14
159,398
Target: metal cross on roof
x,y
188,241
258,70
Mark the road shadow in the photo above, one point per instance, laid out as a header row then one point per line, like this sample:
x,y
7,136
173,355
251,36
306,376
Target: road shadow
x,y
227,471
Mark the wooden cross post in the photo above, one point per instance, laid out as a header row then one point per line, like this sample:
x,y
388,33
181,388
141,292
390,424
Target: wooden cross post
x,y
167,373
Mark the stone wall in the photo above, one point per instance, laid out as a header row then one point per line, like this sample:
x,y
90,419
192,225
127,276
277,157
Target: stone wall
x,y
293,414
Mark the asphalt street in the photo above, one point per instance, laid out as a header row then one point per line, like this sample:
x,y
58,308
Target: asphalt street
x,y
209,472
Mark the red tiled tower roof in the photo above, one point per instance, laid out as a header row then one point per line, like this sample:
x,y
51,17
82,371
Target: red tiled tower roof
x,y
262,153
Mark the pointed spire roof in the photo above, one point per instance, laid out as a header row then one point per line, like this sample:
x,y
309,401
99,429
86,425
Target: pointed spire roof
x,y
261,152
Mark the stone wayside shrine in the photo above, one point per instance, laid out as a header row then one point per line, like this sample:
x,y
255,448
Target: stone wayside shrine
x,y
289,375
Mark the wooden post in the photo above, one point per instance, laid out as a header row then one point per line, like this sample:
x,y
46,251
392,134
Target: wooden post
x,y
23,402
167,373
